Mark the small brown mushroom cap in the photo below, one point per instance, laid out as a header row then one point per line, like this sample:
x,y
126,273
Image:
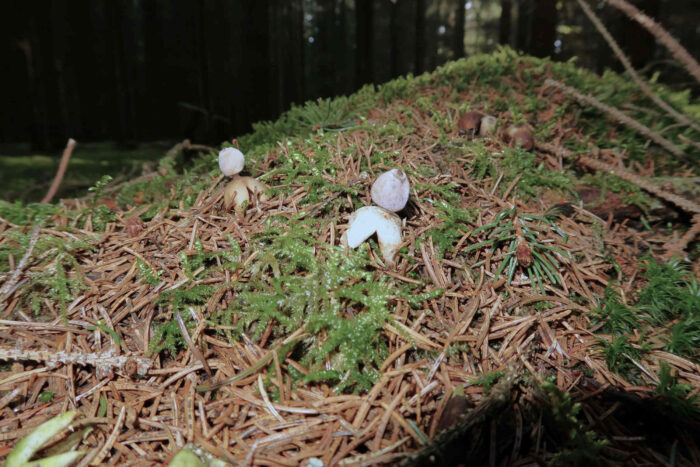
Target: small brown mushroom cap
x,y
470,122
520,133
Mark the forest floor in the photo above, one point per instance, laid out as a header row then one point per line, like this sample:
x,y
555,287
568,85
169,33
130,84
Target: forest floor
x,y
539,311
26,175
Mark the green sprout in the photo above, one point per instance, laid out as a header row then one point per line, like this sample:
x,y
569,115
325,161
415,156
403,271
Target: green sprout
x,y
521,233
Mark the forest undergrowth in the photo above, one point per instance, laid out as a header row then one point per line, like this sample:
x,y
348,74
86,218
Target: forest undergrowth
x,y
540,310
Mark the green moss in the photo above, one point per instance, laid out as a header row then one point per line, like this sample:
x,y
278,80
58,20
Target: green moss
x,y
487,380
453,227
665,316
674,396
617,318
167,333
575,444
59,277
344,307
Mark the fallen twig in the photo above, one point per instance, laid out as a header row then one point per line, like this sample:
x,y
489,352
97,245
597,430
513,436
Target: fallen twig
x,y
676,49
679,117
101,360
62,166
679,201
619,116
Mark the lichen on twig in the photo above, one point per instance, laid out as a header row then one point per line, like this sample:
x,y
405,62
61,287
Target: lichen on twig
x,y
103,361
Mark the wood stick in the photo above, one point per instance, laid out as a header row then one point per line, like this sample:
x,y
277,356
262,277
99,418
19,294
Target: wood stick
x,y
62,166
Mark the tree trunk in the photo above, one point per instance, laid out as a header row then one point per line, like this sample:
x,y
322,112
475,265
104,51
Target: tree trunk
x,y
635,39
420,37
458,37
523,36
256,61
544,30
394,29
363,40
504,22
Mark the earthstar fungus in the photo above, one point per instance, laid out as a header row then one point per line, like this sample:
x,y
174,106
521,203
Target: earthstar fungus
x,y
369,220
238,191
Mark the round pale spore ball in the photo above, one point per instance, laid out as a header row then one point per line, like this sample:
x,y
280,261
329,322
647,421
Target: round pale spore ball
x,y
231,161
391,189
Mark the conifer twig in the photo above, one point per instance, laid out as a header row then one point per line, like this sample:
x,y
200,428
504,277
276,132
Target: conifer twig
x,y
103,361
7,288
62,166
676,49
694,144
619,116
679,201
679,117
676,247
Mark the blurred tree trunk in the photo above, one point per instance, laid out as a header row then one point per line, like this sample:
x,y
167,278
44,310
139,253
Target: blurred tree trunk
x,y
458,37
345,58
201,71
420,37
256,60
114,14
394,38
325,45
543,28
363,38
33,48
524,25
635,39
504,22
156,93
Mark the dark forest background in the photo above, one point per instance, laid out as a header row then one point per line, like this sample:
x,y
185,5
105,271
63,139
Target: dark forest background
x,y
139,70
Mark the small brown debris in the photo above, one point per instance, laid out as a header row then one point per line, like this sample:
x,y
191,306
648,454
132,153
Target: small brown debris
x,y
524,255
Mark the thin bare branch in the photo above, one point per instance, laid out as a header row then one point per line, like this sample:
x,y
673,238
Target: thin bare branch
x,y
619,116
676,49
62,166
679,117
